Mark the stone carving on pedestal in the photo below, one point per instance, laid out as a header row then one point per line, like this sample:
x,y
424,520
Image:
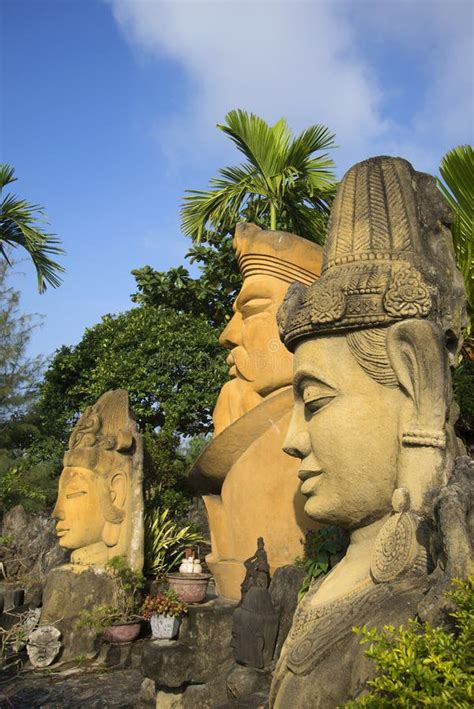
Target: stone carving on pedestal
x,y
99,509
251,484
255,621
99,513
373,340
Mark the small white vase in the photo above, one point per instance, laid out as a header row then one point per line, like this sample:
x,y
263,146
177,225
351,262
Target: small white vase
x,y
164,627
197,568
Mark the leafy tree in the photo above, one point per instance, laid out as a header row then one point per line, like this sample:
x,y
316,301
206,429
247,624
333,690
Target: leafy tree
x,y
18,373
282,184
25,477
20,225
457,171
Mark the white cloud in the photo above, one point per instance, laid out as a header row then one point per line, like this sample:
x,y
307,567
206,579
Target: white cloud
x,y
309,62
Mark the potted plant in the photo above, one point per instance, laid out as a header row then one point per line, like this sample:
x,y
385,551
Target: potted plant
x,y
164,612
119,622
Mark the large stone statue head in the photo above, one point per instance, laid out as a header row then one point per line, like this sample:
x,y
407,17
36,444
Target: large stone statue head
x,y
99,509
373,424
373,338
259,364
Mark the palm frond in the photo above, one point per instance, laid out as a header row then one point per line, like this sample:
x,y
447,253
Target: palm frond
x,y
457,171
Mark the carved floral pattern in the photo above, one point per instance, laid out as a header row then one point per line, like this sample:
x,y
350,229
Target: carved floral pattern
x,y
407,295
327,304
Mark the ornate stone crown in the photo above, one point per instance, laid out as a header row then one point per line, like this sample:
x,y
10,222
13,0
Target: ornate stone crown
x,y
388,256
103,434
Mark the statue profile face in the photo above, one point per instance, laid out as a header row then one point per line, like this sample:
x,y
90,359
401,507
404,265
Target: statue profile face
x,y
79,508
345,429
257,355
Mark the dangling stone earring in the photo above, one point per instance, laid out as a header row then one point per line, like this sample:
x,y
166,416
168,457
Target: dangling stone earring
x,y
396,548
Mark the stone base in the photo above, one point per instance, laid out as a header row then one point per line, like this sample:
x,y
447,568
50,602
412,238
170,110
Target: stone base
x,y
203,646
68,591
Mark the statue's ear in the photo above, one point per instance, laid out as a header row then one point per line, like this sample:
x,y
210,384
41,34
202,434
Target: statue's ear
x,y
418,357
117,493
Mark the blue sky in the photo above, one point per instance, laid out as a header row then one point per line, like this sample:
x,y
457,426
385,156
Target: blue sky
x,y
109,108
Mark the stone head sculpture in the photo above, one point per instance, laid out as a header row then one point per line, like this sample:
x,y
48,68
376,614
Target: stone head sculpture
x,y
373,340
251,491
99,509
259,364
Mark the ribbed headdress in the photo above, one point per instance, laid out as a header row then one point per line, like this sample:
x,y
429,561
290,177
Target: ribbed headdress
x,y
388,256
276,253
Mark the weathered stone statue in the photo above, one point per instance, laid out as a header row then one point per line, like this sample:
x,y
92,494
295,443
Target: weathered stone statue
x,y
372,424
99,509
255,621
253,484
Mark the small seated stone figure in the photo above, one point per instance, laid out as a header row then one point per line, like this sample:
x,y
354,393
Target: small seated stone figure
x,y
257,570
255,622
372,425
99,509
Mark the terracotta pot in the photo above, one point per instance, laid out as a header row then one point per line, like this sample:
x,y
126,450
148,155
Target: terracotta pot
x,y
191,588
164,627
122,632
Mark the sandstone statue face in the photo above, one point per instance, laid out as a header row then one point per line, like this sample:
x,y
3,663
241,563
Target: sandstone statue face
x,y
79,508
257,356
345,429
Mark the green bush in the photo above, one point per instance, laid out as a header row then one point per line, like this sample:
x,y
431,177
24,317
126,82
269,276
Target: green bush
x,y
321,551
419,665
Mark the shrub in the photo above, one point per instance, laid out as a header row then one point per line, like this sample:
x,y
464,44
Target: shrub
x,y
419,665
165,541
321,551
164,603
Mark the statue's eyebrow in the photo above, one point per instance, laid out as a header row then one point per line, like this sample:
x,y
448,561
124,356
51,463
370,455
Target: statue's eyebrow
x,y
302,377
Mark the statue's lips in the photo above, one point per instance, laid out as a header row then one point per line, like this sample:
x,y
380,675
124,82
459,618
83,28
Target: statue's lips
x,y
61,531
306,477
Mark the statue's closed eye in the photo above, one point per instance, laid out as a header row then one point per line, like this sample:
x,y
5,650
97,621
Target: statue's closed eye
x,y
71,495
254,306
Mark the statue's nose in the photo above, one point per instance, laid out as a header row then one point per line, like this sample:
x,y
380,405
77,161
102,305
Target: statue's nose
x,y
58,512
231,335
297,444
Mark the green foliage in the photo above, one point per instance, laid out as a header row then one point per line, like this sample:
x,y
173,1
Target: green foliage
x,y
18,373
164,603
211,295
282,184
419,665
165,540
321,551
127,588
457,171
170,363
20,225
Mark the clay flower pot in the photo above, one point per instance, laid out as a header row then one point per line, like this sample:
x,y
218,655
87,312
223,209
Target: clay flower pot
x,y
122,632
164,627
191,588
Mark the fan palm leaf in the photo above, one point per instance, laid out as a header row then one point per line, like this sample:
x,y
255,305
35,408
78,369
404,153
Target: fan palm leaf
x,y
20,226
280,183
457,171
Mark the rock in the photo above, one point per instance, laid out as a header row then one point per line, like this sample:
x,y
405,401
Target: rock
x,y
284,587
68,591
167,699
148,690
32,549
43,645
244,681
199,653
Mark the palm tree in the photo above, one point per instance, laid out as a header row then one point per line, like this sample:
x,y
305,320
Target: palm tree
x,y
19,226
282,184
457,171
